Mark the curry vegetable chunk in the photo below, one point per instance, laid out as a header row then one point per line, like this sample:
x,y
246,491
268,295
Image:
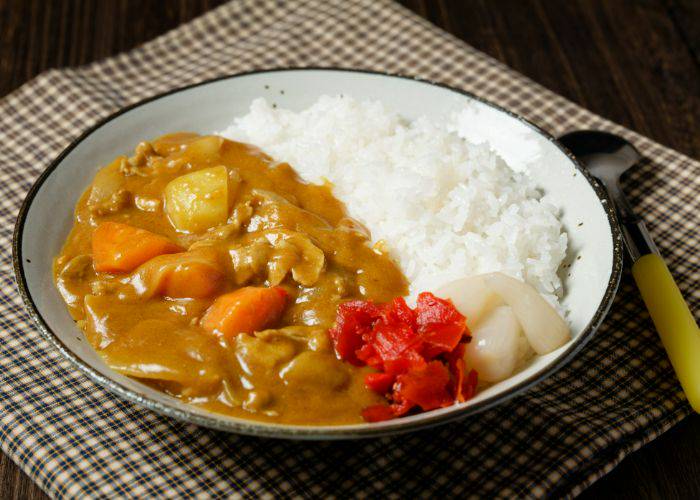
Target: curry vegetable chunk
x,y
199,200
203,268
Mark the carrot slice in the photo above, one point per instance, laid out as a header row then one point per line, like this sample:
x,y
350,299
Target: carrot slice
x,y
246,310
120,248
192,280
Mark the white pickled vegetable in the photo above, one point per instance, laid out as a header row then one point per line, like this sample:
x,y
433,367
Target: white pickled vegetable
x,y
471,297
495,346
198,200
544,328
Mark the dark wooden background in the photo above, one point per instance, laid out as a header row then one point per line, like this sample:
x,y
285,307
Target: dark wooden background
x,y
634,62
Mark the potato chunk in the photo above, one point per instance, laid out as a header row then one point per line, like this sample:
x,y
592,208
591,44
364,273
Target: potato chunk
x,y
205,149
198,200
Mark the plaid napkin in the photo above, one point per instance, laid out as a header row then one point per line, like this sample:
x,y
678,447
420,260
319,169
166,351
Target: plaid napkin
x,y
74,439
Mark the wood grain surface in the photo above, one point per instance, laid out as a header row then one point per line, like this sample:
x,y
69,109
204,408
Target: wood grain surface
x,y
634,62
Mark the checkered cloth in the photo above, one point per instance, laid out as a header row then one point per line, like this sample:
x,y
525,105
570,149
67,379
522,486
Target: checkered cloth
x,y
74,439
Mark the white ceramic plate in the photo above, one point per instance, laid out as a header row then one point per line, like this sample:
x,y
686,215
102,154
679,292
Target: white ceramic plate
x,y
46,217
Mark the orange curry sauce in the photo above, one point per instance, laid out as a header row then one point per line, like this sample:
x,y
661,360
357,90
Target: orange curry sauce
x,y
266,228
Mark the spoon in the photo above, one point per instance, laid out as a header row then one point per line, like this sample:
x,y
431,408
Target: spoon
x,y
606,156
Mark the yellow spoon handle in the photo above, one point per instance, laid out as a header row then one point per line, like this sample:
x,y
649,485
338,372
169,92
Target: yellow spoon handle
x,y
673,320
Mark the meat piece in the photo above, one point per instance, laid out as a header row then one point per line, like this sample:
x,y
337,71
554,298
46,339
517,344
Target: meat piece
x,y
134,165
108,193
312,337
116,202
79,268
313,371
296,253
263,354
275,254
72,280
249,261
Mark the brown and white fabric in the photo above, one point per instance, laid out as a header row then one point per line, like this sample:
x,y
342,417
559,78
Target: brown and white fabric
x,y
76,440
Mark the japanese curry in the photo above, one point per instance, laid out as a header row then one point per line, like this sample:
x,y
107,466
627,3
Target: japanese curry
x,y
205,269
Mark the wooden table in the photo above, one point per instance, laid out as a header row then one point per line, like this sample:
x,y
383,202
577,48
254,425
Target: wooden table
x,y
634,62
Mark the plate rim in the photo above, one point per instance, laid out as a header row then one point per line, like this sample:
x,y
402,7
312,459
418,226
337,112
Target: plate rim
x,y
287,431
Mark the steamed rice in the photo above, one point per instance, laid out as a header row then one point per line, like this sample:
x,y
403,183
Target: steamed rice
x,y
444,207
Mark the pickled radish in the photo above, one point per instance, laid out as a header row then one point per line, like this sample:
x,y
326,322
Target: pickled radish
x,y
471,297
544,328
418,353
493,350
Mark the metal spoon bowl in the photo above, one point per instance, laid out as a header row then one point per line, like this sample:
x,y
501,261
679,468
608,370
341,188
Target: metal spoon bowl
x,y
607,156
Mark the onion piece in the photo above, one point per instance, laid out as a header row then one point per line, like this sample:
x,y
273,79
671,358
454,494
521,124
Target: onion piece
x,y
471,297
495,346
544,328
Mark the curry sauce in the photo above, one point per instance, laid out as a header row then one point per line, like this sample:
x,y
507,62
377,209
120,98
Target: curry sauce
x,y
265,228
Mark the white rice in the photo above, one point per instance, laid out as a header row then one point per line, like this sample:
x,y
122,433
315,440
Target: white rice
x,y
446,208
